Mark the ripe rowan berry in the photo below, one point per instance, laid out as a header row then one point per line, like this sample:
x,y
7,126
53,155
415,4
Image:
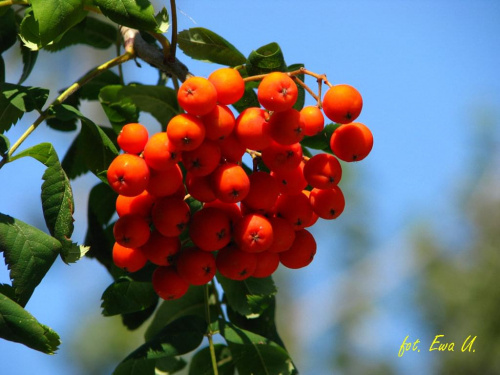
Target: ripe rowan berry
x,y
230,183
267,263
235,264
327,203
168,284
283,234
128,175
295,208
131,230
132,138
197,96
253,233
302,251
232,150
131,259
291,181
159,153
229,85
203,160
342,104
196,266
278,157
219,122
323,171
210,229
170,215
285,127
351,142
160,249
200,187
165,182
185,132
139,204
232,210
253,129
263,192
277,92
312,120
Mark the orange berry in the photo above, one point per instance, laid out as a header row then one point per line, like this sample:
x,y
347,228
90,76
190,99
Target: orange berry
x,y
235,264
204,159
302,251
253,233
295,208
140,205
267,263
283,233
277,92
229,85
230,183
286,128
278,157
312,120
128,174
327,203
291,181
232,210
351,142
167,182
200,188
168,284
195,266
170,215
323,171
219,122
131,259
160,249
252,128
131,231
231,148
263,192
197,96
132,138
210,229
185,132
342,104
160,153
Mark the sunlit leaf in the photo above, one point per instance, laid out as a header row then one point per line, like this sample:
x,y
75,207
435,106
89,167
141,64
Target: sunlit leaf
x,y
138,14
266,59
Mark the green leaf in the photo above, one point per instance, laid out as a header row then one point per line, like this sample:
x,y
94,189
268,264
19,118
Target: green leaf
x,y
321,141
55,17
205,45
201,362
15,100
90,31
179,337
17,325
162,21
29,59
4,144
65,117
249,297
266,59
138,14
126,295
192,303
254,354
28,31
90,91
122,104
249,99
2,69
301,98
29,253
57,200
8,30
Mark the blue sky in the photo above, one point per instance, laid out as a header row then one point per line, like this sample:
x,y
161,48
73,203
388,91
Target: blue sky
x,y
427,71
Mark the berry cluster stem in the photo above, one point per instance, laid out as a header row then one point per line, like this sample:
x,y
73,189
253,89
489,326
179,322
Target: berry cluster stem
x,y
210,333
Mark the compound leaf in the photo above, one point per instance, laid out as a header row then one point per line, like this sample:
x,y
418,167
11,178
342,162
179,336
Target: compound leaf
x,y
126,295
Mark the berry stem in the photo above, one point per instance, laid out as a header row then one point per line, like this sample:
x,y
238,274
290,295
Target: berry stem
x,y
209,330
173,46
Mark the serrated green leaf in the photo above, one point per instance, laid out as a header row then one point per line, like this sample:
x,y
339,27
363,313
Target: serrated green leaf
x,y
93,137
192,303
29,59
18,325
254,354
4,144
201,363
119,109
8,30
57,199
249,297
162,21
266,59
15,100
179,337
249,99
126,295
64,117
321,141
28,31
205,45
90,31
138,14
29,253
55,17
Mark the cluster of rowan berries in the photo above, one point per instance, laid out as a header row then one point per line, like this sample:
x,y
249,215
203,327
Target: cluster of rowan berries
x,y
251,220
